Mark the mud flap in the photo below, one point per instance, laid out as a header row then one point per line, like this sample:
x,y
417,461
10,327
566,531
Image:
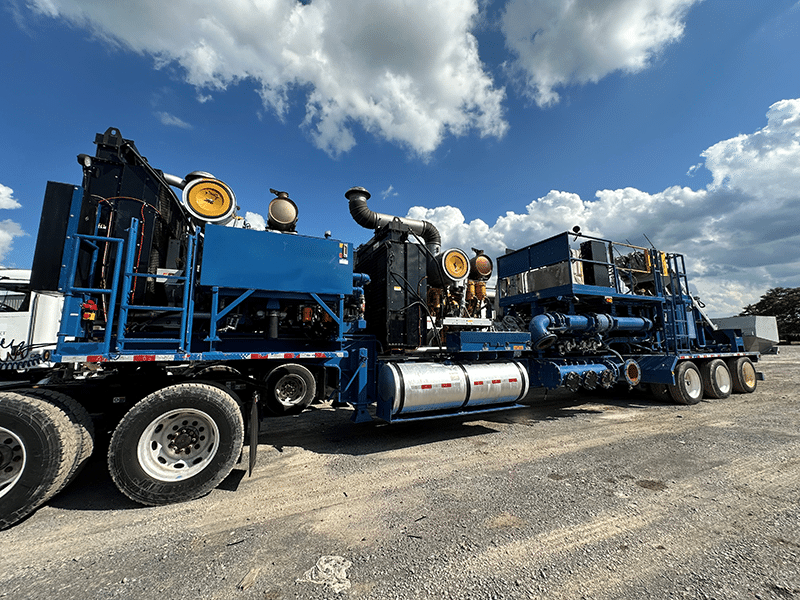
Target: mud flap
x,y
254,424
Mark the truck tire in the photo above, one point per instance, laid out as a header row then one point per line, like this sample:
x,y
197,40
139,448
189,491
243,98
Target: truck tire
x,y
37,451
743,375
290,389
688,387
176,444
716,379
82,426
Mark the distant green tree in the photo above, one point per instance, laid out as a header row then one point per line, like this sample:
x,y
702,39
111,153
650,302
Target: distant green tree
x,y
784,305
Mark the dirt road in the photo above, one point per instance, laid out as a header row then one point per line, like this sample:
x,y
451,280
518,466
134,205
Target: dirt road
x,y
592,497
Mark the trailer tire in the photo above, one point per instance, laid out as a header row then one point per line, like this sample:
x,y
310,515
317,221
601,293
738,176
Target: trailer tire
x,y
176,444
688,387
290,389
743,375
716,379
81,424
660,391
37,451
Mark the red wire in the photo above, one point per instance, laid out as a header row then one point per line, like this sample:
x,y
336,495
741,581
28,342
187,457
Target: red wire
x,y
139,255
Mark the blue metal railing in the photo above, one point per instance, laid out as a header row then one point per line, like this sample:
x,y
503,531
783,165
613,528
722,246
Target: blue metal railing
x,y
129,275
71,289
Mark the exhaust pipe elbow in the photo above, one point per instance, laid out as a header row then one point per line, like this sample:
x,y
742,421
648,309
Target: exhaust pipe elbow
x,y
357,201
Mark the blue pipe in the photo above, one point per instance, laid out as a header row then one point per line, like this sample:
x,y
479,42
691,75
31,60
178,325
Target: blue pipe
x,y
360,280
542,336
632,324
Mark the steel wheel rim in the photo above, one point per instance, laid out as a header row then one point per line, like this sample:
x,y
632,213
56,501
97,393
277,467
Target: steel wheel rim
x,y
749,374
12,460
723,378
178,445
692,383
290,389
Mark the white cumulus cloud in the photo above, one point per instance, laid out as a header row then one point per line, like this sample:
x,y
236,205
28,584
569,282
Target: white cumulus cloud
x,y
8,229
739,234
559,42
255,220
404,70
7,199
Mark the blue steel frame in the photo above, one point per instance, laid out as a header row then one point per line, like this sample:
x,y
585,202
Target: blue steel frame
x,y
683,335
116,342
675,310
75,296
181,344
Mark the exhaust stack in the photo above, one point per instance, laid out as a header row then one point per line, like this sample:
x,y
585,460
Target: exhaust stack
x,y
357,198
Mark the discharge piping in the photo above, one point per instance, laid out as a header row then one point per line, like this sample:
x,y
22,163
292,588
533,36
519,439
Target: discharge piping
x,y
357,201
542,336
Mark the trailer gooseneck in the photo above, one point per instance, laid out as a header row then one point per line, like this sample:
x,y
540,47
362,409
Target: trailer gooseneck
x,y
183,328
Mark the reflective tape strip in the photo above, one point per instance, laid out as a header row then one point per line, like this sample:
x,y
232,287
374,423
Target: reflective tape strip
x,y
99,358
726,355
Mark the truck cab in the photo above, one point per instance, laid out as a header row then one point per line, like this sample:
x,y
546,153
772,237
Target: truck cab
x,y
29,322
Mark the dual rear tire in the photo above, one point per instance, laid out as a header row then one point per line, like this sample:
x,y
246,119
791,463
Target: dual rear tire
x,y
39,454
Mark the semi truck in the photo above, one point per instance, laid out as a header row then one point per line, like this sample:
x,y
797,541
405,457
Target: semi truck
x,y
182,328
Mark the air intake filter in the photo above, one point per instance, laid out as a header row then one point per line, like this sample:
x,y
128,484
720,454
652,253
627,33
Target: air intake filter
x,y
209,201
451,267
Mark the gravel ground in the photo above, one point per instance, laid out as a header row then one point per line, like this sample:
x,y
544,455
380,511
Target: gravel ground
x,y
614,496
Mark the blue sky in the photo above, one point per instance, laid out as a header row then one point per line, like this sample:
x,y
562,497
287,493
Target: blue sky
x,y
503,122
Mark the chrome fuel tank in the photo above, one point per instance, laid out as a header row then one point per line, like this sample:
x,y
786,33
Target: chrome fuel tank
x,y
412,387
496,382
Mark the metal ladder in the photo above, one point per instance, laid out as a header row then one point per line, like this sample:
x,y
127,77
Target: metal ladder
x,y
127,344
678,305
